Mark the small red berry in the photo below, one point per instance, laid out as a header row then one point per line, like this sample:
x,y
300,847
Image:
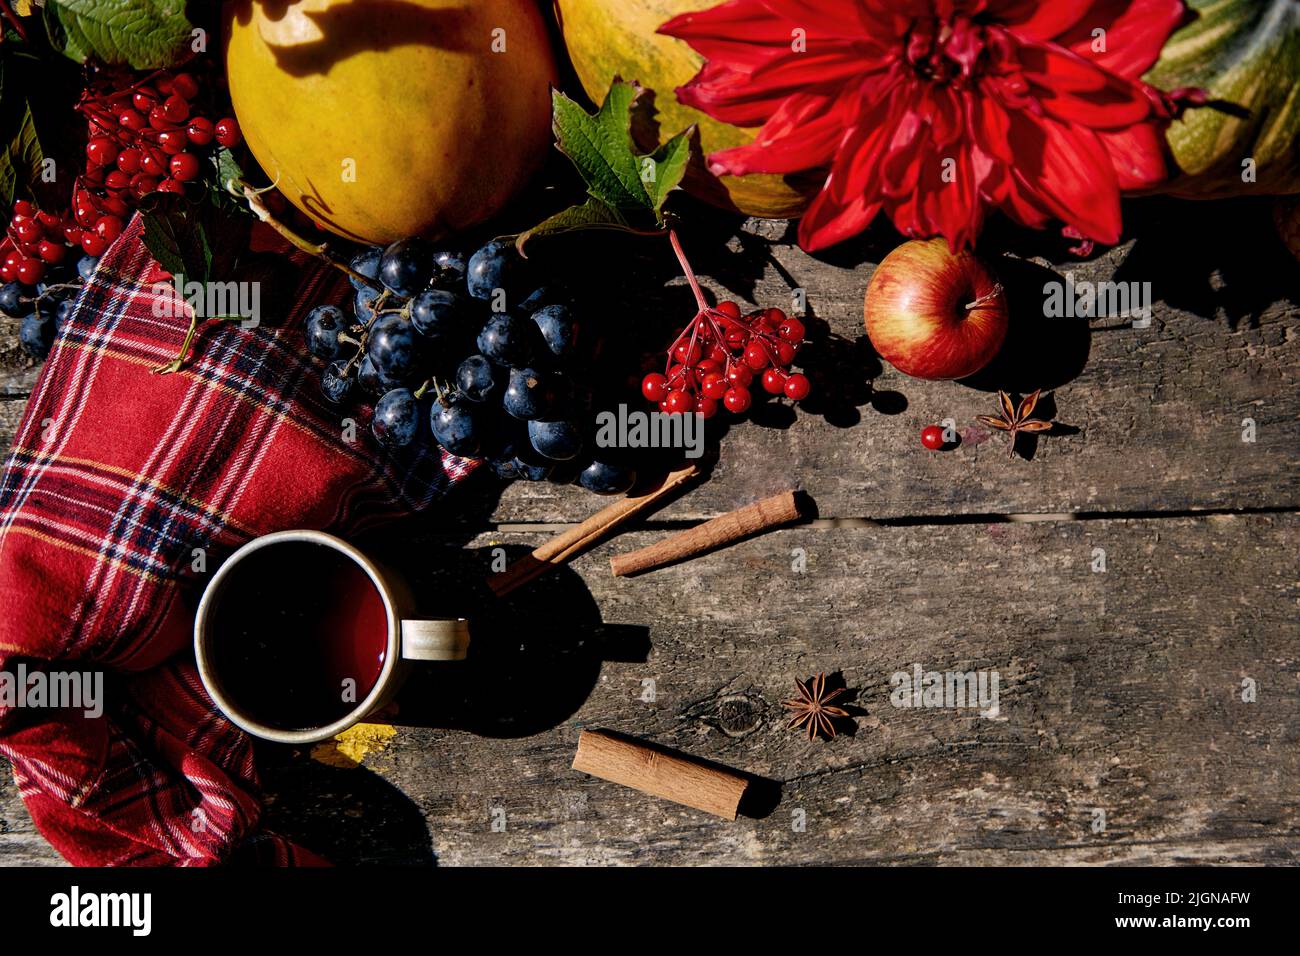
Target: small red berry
x,y
51,252
739,376
756,356
774,381
797,387
654,387
185,167
175,109
143,99
714,385
171,186
708,407
729,309
737,400
92,244
101,151
184,84
932,437
199,130
116,179
48,220
784,352
688,353
227,132
7,272
791,330
680,402
132,120
24,208
173,140
152,163
30,271
128,160
158,119
115,206
108,228
71,234
163,83
27,229
142,185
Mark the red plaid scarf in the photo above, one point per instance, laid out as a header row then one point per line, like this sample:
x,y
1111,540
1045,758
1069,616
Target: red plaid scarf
x,y
116,476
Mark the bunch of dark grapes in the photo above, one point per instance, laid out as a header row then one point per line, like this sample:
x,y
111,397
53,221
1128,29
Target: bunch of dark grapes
x,y
470,353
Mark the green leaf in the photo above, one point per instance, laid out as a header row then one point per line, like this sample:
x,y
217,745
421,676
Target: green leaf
x,y
20,159
174,236
670,162
602,149
141,34
593,214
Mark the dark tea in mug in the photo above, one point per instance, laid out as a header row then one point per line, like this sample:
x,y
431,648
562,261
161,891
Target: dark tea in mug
x,y
298,635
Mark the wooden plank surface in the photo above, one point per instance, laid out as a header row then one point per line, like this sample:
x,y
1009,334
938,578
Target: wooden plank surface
x,y
1120,690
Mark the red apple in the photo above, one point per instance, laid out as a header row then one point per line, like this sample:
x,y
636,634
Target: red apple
x,y
934,313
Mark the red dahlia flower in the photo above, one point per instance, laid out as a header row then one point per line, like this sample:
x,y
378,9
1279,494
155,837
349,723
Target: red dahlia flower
x,y
938,110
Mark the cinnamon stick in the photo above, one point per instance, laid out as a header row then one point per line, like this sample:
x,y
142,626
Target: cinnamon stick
x,y
715,533
674,777
571,543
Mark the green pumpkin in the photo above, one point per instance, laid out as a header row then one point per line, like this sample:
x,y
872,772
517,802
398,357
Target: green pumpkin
x,y
1246,55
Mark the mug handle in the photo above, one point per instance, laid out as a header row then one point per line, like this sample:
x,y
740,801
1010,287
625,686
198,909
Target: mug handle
x,y
437,640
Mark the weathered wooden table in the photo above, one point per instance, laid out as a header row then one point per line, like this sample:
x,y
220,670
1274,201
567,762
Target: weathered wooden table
x,y
1134,582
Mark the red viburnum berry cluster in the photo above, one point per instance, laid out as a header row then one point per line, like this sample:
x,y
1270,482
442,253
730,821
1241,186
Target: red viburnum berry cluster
x,y
145,137
716,358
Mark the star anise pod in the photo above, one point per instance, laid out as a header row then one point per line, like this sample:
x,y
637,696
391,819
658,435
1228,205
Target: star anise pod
x,y
811,708
1015,420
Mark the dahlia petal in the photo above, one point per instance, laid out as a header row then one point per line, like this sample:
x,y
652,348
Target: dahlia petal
x,y
737,31
1037,19
1137,153
828,69
1135,33
1067,171
820,17
952,209
721,93
1075,91
827,221
803,133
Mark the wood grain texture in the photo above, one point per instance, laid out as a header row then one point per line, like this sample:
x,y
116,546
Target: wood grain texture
x,y
1122,735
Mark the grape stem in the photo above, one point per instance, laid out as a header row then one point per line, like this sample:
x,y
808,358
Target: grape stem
x,y
321,250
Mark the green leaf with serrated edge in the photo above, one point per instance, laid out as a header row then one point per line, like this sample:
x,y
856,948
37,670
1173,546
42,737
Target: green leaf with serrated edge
x,y
593,214
175,237
20,158
141,34
670,161
600,147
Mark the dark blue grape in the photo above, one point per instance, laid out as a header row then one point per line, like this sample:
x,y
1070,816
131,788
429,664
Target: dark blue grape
x,y
11,300
397,418
363,303
559,331
478,379
543,296
557,440
392,347
528,394
406,266
531,472
333,384
455,428
369,379
63,311
324,323
607,478
367,263
48,305
37,335
86,266
506,468
437,313
507,339
497,265
449,267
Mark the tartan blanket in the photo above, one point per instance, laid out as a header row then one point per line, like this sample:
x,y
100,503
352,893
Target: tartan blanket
x,y
117,481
